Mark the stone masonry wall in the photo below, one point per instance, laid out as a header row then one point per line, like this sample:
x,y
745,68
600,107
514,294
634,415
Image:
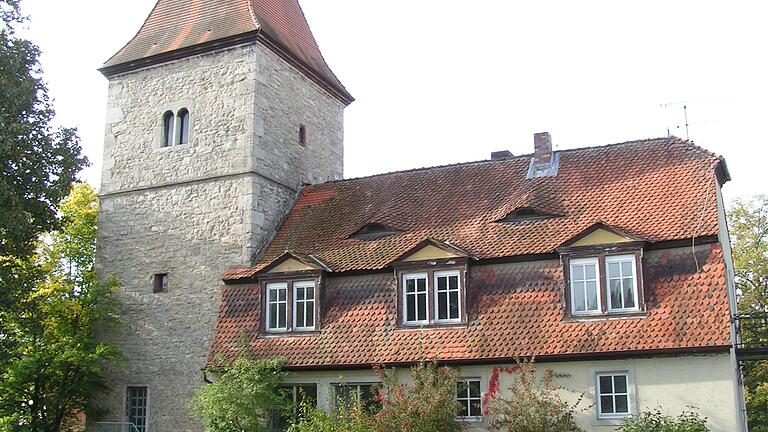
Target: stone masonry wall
x,y
197,209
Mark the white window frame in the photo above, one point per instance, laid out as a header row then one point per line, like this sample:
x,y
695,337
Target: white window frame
x,y
619,259
599,396
415,276
147,412
582,261
296,287
447,273
620,368
469,399
276,286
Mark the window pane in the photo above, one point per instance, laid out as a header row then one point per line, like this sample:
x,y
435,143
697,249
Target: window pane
x,y
453,282
474,408
629,293
422,299
606,404
281,294
300,314
463,409
410,285
272,296
422,284
273,315
613,270
579,303
310,314
474,389
184,127
616,293
577,272
168,130
454,305
626,268
461,389
442,283
591,295
590,271
442,305
310,293
410,302
281,312
299,293
620,384
606,385
622,404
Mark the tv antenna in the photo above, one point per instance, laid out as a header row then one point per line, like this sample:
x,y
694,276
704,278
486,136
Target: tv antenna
x,y
685,115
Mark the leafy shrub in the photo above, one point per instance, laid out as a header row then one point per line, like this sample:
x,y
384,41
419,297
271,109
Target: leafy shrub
x,y
655,421
242,397
427,406
531,405
348,418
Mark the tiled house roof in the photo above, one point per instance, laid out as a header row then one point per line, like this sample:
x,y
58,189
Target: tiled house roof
x,y
653,190
176,25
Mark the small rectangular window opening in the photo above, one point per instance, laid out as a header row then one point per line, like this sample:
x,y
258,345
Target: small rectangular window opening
x,y
277,307
302,135
469,398
160,283
415,298
613,395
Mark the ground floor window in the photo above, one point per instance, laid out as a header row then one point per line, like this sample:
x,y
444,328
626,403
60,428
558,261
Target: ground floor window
x,y
296,395
469,398
137,404
613,395
347,395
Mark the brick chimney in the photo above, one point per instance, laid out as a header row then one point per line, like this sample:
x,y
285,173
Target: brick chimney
x,y
542,148
502,154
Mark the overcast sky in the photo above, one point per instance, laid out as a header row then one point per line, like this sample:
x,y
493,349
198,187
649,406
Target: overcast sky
x,y
440,82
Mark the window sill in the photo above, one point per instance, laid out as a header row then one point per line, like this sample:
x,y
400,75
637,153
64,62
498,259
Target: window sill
x,y
288,334
610,316
431,326
617,421
172,148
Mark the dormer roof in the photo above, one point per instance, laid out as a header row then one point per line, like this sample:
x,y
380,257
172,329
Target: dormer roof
x,y
181,28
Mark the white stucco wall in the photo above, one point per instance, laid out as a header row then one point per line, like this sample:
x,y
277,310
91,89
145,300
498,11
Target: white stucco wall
x,y
671,384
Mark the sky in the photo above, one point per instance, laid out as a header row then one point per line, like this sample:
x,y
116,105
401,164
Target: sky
x,y
439,82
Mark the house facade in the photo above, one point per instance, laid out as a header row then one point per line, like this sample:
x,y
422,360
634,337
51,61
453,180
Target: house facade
x,y
223,156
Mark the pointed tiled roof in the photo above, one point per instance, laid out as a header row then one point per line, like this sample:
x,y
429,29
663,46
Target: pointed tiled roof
x,y
177,28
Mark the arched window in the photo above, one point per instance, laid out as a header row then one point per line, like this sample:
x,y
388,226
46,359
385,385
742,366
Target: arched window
x,y
168,129
183,126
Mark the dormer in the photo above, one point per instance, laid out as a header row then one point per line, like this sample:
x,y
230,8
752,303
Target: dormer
x,y
290,286
527,214
373,231
432,285
603,271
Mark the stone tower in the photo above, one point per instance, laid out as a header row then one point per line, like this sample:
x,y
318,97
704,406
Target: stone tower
x,y
218,111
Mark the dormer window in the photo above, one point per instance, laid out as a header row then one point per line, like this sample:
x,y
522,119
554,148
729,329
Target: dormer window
x,y
415,298
526,214
448,296
277,307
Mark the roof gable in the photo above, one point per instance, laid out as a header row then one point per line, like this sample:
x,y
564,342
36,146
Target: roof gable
x,y
431,249
600,234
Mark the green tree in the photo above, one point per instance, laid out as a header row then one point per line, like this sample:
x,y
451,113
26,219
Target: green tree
x,y
52,363
38,162
748,227
242,396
